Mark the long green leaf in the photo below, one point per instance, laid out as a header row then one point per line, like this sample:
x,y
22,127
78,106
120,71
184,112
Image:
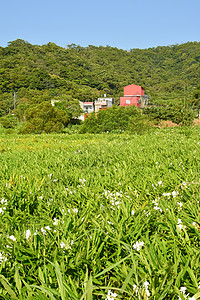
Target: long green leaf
x,y
8,288
112,266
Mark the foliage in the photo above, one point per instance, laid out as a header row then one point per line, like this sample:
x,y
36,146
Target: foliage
x,y
196,93
196,98
82,215
8,121
85,73
176,113
44,117
140,124
23,105
72,106
116,118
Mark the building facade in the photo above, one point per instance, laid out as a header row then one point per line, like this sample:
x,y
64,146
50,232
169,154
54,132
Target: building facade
x,y
103,103
134,95
88,107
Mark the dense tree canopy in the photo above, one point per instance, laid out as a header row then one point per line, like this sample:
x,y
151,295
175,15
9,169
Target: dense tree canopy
x,y
44,117
38,74
88,72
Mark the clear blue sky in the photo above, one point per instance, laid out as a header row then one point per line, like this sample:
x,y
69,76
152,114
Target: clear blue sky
x,y
124,24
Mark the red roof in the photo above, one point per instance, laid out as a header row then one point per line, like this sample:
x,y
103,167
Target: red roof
x,y
88,103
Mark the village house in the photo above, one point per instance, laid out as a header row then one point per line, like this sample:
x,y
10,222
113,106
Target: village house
x,y
134,95
88,107
103,103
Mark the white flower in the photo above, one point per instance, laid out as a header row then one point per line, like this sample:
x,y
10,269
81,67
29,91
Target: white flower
x,y
180,225
67,245
147,293
146,284
55,222
43,231
62,245
167,194
180,204
160,182
138,245
12,238
193,298
132,212
28,234
183,289
1,211
196,226
174,193
4,201
111,296
47,227
82,181
75,210
158,208
135,289
2,257
109,222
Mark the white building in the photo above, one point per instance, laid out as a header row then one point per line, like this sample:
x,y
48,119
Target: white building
x,y
102,103
88,107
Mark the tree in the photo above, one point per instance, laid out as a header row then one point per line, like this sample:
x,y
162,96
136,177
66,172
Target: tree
x,y
71,105
196,97
118,118
23,105
44,117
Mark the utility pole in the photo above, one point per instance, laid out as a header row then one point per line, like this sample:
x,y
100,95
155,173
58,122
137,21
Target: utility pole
x,y
14,100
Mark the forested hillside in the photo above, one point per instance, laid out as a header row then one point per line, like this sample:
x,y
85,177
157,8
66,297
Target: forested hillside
x,y
38,73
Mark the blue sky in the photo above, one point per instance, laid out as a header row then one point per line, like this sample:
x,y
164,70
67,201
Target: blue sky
x,y
124,24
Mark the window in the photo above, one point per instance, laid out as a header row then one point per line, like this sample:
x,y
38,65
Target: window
x,y
128,101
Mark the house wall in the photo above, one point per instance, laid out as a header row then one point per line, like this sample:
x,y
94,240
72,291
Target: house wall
x,y
133,101
133,89
88,107
103,103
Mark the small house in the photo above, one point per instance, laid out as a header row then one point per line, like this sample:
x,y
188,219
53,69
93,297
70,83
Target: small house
x,y
103,103
134,95
88,107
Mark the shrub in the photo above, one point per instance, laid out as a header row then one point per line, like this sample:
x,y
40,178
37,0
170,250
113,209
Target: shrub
x,y
175,113
8,121
133,119
140,124
110,119
44,117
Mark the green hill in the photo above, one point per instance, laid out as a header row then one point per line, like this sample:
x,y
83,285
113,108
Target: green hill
x,y
42,72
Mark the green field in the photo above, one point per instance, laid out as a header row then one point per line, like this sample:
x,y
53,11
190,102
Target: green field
x,y
108,216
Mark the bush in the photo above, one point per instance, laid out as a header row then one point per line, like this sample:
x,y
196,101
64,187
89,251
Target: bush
x,y
140,124
44,117
8,121
117,118
176,113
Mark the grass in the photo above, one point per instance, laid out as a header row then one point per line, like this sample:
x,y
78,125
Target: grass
x,y
84,214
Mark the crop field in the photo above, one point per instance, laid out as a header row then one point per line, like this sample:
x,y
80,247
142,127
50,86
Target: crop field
x,y
108,216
